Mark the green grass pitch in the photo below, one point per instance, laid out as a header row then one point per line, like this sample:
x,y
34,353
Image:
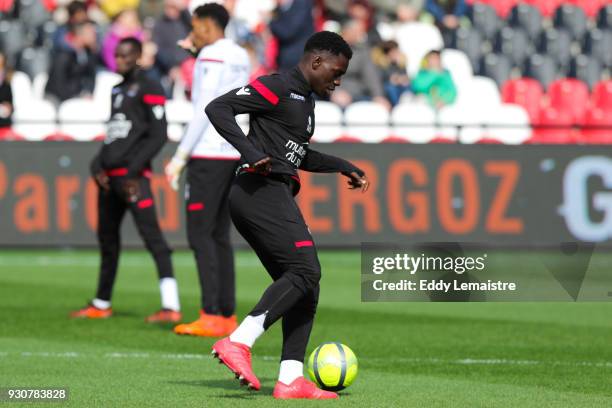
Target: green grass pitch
x,y
410,354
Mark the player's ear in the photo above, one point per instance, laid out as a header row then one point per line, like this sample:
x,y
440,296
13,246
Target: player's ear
x,y
316,62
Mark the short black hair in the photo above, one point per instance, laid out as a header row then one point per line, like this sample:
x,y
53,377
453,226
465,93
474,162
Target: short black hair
x,y
215,12
134,42
76,6
330,42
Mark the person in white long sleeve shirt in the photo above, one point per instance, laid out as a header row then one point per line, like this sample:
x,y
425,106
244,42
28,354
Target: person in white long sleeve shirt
x,y
211,162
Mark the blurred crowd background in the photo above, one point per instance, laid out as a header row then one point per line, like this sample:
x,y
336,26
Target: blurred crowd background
x,y
423,70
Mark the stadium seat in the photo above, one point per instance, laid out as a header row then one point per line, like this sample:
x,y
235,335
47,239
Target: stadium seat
x,y
590,133
485,19
82,119
479,92
178,114
590,7
105,81
525,92
21,86
542,68
367,122
598,43
36,120
604,17
502,7
571,97
328,122
508,124
460,123
470,42
413,122
58,137
547,7
513,42
497,67
38,85
8,134
34,61
602,95
556,43
527,17
587,69
556,127
458,64
417,39
571,18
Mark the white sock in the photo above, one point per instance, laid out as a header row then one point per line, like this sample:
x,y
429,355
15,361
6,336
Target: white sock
x,y
249,330
169,294
290,370
101,304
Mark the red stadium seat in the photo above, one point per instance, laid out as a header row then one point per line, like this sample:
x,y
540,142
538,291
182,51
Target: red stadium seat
x,y
560,130
602,95
570,96
601,118
58,137
7,134
590,7
547,7
526,92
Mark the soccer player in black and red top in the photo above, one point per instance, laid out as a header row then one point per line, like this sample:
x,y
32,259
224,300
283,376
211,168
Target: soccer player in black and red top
x,y
281,109
136,133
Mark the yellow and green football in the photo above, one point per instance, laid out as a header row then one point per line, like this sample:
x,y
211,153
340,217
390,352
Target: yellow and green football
x,y
332,366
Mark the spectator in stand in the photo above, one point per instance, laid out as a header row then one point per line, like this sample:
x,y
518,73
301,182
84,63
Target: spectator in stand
x,y
414,7
434,82
126,24
77,13
363,80
392,63
6,94
292,24
169,28
363,11
73,68
448,15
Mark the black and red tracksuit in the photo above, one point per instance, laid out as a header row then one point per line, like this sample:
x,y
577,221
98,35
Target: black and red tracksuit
x,y
281,108
136,133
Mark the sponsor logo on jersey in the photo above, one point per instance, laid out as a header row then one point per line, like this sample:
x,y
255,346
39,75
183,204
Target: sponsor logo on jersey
x,y
118,128
296,152
244,91
297,96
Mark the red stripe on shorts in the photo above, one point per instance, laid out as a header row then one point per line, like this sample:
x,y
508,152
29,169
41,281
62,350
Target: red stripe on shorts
x,y
195,207
300,244
146,203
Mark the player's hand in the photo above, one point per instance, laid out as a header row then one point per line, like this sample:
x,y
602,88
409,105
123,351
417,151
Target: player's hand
x,y
357,181
173,171
131,188
102,180
263,166
187,44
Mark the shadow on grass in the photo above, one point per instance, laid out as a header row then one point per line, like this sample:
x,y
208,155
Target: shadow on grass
x,y
227,385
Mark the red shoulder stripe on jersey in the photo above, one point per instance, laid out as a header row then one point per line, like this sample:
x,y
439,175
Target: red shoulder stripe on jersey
x,y
265,92
154,99
211,60
146,203
195,206
300,244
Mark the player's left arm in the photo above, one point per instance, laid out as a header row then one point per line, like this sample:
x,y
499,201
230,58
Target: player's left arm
x,y
317,162
153,100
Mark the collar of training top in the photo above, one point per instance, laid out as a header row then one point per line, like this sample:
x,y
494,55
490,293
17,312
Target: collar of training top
x,y
299,82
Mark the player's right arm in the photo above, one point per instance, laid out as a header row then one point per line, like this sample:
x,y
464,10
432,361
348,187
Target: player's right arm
x,y
208,90
258,97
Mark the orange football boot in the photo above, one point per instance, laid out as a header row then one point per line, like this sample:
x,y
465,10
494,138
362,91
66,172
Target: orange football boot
x,y
301,388
208,326
165,316
92,312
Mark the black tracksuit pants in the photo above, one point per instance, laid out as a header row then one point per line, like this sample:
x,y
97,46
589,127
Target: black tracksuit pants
x,y
267,216
208,232
112,206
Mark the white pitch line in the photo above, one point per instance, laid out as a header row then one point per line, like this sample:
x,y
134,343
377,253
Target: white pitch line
x,y
179,356
94,262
